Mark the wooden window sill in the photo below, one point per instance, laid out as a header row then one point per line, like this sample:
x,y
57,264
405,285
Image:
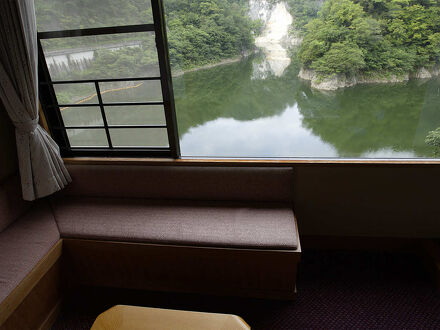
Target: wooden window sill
x,y
247,162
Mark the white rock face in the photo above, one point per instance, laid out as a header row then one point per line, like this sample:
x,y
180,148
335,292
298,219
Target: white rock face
x,y
423,73
274,40
260,9
277,26
337,81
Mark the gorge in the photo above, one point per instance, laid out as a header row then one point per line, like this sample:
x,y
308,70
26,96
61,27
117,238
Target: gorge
x,y
354,42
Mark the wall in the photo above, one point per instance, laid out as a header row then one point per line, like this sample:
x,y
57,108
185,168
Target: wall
x,y
8,154
373,200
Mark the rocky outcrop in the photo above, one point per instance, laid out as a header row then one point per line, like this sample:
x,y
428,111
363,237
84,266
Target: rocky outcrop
x,y
425,73
422,73
260,9
336,81
275,39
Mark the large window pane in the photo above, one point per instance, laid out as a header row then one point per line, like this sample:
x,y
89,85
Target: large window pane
x,y
82,116
87,137
131,91
79,14
315,78
139,137
135,115
127,55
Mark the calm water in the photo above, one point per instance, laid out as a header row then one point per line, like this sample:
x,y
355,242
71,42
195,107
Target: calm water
x,y
231,111
238,110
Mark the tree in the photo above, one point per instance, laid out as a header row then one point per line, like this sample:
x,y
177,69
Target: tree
x,y
433,139
394,36
342,57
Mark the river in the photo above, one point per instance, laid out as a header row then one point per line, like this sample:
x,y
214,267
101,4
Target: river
x,y
226,112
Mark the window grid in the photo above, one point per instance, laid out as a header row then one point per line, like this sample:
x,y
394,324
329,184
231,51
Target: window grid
x,y
52,108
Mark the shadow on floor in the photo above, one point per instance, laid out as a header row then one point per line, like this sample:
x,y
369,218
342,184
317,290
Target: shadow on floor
x,y
362,290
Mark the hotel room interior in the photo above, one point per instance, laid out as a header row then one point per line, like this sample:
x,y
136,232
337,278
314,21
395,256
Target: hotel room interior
x,y
97,233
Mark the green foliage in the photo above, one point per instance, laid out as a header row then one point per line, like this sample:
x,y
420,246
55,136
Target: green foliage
x,y
363,36
303,11
433,139
340,58
199,32
76,14
206,31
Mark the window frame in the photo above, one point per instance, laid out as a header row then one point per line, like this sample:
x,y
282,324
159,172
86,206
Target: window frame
x,y
51,108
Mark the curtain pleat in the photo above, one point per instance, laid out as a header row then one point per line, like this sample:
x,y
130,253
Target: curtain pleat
x,y
42,169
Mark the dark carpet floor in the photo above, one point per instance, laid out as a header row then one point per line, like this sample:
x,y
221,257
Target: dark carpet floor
x,y
336,290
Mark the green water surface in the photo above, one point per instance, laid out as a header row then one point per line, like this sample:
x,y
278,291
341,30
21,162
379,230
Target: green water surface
x,y
231,111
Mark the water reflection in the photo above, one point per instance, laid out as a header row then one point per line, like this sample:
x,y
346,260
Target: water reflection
x,y
274,136
224,112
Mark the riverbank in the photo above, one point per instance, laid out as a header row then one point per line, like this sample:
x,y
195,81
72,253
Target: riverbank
x,y
337,81
213,65
203,67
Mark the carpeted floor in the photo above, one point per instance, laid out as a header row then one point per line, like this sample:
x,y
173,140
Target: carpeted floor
x,y
336,290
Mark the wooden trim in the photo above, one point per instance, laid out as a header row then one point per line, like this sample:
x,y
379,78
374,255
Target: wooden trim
x,y
16,297
39,308
43,121
246,162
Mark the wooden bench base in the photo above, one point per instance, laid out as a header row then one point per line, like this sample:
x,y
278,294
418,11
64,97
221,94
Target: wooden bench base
x,y
35,302
222,271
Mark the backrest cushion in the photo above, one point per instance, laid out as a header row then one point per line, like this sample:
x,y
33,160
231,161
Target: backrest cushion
x,y
12,205
182,182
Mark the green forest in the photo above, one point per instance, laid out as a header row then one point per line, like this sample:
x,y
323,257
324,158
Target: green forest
x,y
340,36
199,32
202,32
372,37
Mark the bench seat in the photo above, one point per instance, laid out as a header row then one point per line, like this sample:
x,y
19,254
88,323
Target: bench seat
x,y
189,223
23,244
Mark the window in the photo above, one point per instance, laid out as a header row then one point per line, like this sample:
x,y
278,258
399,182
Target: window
x,y
106,88
298,79
250,78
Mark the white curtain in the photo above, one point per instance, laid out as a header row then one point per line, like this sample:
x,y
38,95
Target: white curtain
x,y
41,168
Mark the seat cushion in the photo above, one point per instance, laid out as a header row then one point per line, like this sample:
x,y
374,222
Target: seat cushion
x,y
23,244
182,182
263,226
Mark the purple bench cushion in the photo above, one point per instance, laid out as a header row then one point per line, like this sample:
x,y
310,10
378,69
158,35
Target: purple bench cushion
x,y
182,182
179,223
23,244
12,205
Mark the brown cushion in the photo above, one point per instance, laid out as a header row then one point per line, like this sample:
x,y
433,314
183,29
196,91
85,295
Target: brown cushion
x,y
12,204
23,244
264,226
182,182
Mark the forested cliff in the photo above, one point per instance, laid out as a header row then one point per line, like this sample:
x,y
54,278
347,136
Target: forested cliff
x,y
353,39
200,32
373,38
